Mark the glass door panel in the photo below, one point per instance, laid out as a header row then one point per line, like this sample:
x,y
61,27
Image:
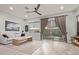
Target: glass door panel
x,y
51,30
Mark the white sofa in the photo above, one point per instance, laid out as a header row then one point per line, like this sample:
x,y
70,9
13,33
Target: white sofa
x,y
4,40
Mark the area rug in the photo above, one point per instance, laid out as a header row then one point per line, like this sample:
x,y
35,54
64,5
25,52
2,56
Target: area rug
x,y
26,48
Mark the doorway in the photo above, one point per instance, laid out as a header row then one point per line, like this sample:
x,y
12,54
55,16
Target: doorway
x,y
52,31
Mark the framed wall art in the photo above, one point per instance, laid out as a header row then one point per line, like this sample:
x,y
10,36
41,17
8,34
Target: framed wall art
x,y
11,26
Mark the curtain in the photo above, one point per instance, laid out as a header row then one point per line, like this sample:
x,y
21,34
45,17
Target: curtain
x,y
61,22
44,23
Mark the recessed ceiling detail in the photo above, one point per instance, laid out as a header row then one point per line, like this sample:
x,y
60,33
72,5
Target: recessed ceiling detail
x,y
19,10
26,16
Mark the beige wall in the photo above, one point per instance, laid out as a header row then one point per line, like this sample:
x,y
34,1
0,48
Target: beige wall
x,y
6,16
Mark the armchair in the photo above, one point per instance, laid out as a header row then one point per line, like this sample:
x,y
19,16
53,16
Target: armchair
x,y
4,40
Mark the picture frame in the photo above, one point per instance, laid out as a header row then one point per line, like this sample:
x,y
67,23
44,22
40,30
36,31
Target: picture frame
x,y
26,28
11,26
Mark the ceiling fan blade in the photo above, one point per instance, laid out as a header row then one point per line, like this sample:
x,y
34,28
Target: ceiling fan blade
x,y
29,11
37,12
37,7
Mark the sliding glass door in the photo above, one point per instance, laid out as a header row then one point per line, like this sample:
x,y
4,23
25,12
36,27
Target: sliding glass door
x,y
52,31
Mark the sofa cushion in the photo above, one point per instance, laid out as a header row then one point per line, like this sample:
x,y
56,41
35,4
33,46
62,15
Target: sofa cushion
x,y
4,35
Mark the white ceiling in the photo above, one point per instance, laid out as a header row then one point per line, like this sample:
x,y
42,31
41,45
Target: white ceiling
x,y
45,9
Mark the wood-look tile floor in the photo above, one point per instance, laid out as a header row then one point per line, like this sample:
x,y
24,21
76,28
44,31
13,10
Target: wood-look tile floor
x,y
49,47
40,47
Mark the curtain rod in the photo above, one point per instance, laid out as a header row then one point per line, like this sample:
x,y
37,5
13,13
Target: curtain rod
x,y
55,16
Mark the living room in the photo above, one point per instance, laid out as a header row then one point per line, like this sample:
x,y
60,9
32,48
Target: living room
x,y
26,19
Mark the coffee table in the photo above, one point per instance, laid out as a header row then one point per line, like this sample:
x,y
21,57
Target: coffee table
x,y
20,40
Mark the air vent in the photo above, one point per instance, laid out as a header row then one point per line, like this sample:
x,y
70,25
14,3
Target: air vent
x,y
25,19
26,8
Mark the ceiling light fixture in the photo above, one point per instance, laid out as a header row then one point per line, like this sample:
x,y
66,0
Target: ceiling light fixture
x,y
26,16
11,8
46,27
62,7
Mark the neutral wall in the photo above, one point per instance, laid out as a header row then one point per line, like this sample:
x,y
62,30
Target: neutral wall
x,y
6,16
71,26
77,12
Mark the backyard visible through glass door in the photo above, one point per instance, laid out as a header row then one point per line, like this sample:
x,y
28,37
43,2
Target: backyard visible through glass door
x,y
52,31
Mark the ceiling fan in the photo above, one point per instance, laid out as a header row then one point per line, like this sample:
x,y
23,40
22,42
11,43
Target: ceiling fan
x,y
35,10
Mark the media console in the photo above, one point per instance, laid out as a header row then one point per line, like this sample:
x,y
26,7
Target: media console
x,y
75,40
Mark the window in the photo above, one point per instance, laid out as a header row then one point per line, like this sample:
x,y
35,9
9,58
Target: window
x,y
34,26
